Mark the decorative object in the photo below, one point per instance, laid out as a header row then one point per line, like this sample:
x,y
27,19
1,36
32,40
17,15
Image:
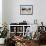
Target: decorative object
x,y
4,32
28,33
35,21
26,9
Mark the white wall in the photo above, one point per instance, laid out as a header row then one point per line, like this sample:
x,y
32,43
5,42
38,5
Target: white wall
x,y
4,11
12,11
0,13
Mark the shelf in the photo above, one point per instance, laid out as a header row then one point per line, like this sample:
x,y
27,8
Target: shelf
x,y
16,32
19,32
18,28
12,32
19,25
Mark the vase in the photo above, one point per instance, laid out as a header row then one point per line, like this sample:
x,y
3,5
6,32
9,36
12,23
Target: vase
x,y
2,40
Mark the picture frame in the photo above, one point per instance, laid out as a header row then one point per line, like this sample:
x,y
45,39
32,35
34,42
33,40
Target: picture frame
x,y
26,9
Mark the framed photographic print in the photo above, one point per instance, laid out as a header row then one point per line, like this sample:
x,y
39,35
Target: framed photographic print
x,y
26,9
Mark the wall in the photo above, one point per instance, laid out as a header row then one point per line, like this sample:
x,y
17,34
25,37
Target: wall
x,y
4,11
0,13
12,11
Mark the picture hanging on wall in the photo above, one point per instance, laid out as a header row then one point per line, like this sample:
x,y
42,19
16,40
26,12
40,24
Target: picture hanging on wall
x,y
26,9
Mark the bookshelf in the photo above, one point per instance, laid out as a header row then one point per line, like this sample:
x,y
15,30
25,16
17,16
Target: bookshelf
x,y
18,29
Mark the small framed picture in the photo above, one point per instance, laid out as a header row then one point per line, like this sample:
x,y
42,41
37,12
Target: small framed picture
x,y
26,9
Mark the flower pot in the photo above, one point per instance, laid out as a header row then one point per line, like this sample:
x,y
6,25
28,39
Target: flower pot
x,y
2,40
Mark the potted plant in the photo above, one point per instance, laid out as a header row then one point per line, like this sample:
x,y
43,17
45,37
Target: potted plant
x,y
3,34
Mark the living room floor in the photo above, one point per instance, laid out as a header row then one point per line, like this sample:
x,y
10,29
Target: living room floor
x,y
40,45
33,45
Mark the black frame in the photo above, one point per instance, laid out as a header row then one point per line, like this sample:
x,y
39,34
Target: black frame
x,y
27,6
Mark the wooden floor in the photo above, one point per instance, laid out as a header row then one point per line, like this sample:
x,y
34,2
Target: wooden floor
x,y
42,45
1,45
32,45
